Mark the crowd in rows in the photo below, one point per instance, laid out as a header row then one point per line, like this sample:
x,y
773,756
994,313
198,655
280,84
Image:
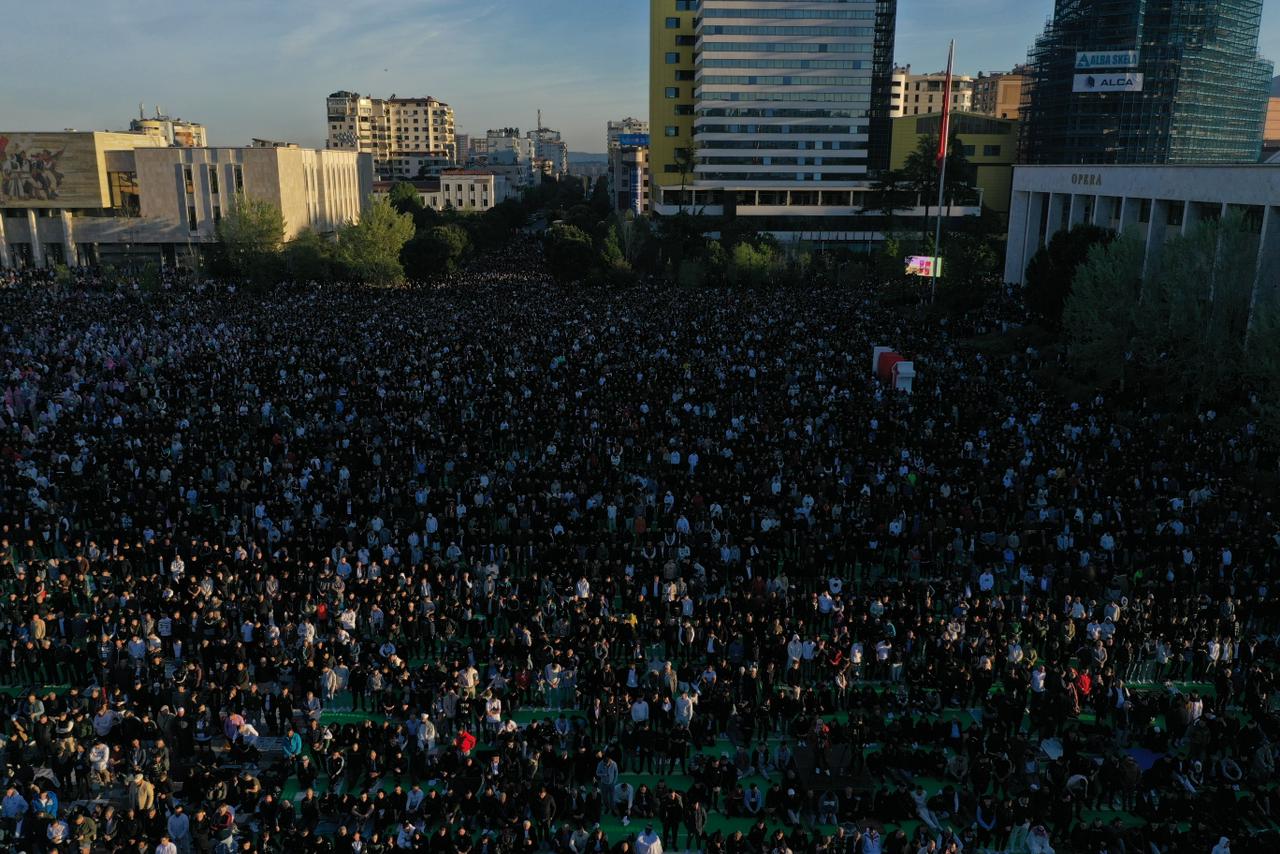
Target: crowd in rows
x,y
505,565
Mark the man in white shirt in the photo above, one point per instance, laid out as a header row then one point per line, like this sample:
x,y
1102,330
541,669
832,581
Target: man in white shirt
x,y
648,842
640,711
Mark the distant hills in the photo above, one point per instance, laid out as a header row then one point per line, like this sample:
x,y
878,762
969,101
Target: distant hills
x,y
589,157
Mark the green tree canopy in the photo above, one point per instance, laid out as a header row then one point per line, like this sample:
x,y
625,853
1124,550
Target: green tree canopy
x,y
435,252
404,197
370,248
1182,330
569,252
1053,268
249,237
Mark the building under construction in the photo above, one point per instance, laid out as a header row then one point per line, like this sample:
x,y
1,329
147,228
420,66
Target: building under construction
x,y
1146,81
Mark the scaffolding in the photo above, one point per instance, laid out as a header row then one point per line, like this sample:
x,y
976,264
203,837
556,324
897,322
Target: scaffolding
x,y
1204,90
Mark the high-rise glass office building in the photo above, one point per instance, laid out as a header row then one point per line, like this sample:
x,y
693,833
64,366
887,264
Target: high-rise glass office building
x,y
771,108
1147,81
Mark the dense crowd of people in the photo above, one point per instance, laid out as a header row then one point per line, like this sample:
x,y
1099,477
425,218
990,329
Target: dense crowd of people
x,y
503,566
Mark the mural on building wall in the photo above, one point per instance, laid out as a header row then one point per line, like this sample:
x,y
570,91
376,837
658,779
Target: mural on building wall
x,y
48,169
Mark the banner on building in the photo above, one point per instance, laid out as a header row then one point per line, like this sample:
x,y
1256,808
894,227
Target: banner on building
x,y
1090,60
923,265
1130,82
633,140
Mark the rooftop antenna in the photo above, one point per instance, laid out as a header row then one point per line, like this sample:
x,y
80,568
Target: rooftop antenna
x,y
142,111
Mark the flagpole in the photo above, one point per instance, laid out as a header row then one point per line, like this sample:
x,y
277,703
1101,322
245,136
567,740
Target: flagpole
x,y
945,135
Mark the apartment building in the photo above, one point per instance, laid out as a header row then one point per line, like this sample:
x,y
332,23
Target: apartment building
x,y
407,137
999,95
921,94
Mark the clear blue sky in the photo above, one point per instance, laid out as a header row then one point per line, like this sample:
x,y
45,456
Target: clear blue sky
x,y
262,67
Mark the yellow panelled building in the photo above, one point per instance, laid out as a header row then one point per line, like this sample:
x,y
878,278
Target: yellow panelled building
x,y
671,84
990,145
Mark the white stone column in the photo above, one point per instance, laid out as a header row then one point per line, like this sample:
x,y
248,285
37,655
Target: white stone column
x,y
1130,209
69,240
1267,278
1156,229
1053,217
1015,251
37,250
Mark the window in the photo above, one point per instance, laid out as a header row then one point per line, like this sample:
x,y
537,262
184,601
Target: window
x,y
672,92
213,180
239,176
684,109
968,150
188,180
670,168
686,41
673,23
217,213
685,5
191,217
672,59
684,75
990,151
671,130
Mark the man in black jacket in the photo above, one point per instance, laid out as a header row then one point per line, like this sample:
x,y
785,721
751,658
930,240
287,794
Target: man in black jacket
x,y
695,822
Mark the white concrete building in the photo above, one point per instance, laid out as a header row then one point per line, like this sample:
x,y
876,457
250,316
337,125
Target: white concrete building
x,y
113,196
465,190
623,127
408,137
505,152
1156,202
173,131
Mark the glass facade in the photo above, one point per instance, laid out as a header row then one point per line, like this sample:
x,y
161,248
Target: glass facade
x,y
1203,93
837,105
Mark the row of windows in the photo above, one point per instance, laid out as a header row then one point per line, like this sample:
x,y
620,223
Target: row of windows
x,y
782,129
776,113
841,14
781,144
785,47
783,161
814,97
774,80
786,63
806,177
752,30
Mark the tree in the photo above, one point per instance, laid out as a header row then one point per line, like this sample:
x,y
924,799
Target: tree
x,y
309,257
611,257
569,252
404,197
751,265
920,173
601,200
371,247
634,236
1101,311
1053,268
1181,330
889,195
436,252
686,160
249,236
